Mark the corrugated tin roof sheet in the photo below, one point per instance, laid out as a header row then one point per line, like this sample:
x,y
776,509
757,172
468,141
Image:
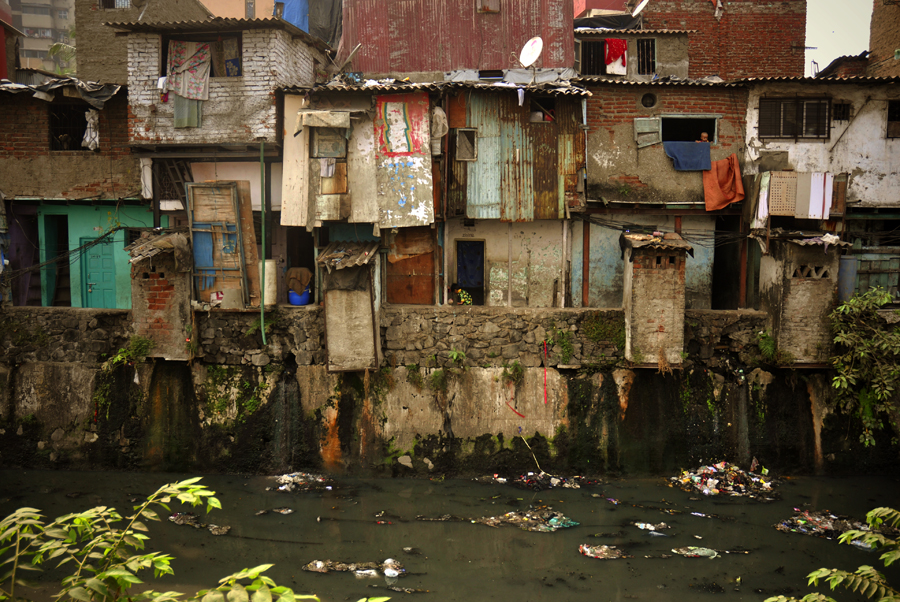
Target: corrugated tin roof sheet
x,y
341,254
605,79
218,24
606,31
667,242
552,90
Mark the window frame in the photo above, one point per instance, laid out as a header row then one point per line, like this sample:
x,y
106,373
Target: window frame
x,y
642,58
465,133
105,4
893,110
800,118
582,46
69,111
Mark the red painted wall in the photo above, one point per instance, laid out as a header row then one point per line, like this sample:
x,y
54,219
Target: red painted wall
x,y
427,35
751,39
3,70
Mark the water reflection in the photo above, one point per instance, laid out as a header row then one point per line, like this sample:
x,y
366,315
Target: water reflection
x,y
370,520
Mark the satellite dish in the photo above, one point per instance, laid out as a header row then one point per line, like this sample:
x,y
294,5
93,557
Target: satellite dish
x,y
531,51
639,8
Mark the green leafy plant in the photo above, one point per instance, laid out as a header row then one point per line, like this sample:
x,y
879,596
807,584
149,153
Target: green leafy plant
x,y
136,351
104,551
513,374
438,380
599,327
865,580
769,351
457,357
562,337
867,364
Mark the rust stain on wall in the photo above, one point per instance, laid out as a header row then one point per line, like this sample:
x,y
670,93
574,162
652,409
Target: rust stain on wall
x,y
624,379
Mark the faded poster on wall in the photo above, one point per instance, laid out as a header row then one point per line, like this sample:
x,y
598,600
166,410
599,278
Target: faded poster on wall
x,y
403,160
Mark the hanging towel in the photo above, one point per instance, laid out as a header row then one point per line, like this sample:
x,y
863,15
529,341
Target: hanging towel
x,y
722,184
187,69
91,138
615,50
326,167
688,156
298,279
188,113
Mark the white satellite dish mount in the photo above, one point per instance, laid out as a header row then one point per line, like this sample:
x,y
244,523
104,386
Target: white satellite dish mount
x,y
530,53
639,8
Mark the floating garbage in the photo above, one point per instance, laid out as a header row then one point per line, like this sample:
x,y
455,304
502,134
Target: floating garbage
x,y
192,520
302,481
284,511
542,519
390,567
695,552
602,552
539,481
651,526
727,479
820,523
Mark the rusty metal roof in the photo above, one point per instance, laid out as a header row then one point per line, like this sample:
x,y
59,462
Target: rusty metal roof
x,y
341,254
607,31
605,79
219,24
549,89
669,241
849,79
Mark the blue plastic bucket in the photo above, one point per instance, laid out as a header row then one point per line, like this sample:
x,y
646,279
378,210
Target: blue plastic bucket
x,y
299,299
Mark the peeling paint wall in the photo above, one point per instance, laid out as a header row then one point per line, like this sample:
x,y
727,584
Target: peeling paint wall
x,y
858,147
532,252
617,170
606,277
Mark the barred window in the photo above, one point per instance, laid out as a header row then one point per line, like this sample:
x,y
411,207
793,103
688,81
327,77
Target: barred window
x,y
593,58
115,3
893,119
646,51
794,118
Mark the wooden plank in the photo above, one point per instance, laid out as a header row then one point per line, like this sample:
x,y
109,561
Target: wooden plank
x,y
336,184
411,280
456,111
248,233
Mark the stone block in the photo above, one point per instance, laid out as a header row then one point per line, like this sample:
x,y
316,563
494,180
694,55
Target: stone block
x,y
510,352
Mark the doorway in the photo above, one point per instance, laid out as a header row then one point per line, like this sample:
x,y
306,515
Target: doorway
x,y
98,270
470,268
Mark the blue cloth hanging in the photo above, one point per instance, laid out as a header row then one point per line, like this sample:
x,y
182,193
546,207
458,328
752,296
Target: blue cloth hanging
x,y
689,156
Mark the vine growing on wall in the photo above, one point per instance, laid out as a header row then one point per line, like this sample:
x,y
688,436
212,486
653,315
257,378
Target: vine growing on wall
x,y
136,351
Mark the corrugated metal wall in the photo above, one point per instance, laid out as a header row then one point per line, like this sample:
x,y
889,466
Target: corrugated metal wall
x,y
431,35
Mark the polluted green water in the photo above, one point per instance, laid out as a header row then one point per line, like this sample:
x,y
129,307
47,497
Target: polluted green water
x,y
371,520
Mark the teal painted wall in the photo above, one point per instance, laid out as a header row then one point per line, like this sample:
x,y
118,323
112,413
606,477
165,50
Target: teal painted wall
x,y
91,222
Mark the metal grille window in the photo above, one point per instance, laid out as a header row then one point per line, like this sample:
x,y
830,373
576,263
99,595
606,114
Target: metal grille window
x,y
67,127
840,111
893,119
646,55
115,3
593,60
793,118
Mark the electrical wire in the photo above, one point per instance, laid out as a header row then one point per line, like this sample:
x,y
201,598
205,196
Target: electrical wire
x,y
702,238
68,256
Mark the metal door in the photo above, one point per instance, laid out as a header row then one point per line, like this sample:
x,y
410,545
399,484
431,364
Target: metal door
x,y
98,271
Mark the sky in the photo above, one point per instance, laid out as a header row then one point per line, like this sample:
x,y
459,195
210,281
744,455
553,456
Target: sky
x,y
836,28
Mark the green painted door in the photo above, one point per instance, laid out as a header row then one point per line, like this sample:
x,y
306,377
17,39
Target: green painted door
x,y
98,269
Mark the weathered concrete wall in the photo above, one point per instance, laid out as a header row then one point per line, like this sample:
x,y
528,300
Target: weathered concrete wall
x,y
605,279
858,147
30,169
239,109
883,40
617,170
532,250
161,297
102,56
242,416
654,307
671,53
798,286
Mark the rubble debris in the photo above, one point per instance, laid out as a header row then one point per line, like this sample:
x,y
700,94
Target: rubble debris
x,y
192,520
302,482
261,512
695,552
727,479
390,567
602,552
828,526
539,481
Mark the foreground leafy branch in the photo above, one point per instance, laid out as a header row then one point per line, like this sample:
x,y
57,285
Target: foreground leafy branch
x,y
865,580
104,552
867,366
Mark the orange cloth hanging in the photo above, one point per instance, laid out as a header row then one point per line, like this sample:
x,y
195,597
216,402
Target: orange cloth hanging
x,y
722,184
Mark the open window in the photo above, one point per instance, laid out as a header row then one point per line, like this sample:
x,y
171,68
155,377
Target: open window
x,y
115,3
591,57
893,119
794,118
68,124
688,128
543,110
466,144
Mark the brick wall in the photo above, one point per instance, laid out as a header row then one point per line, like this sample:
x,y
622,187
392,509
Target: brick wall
x,y
884,38
239,109
654,306
751,39
31,169
615,164
160,301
